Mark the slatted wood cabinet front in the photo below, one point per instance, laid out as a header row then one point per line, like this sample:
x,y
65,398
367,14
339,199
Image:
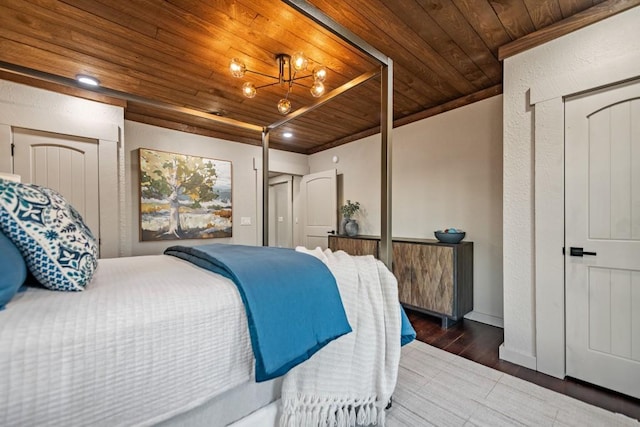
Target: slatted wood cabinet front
x,y
433,277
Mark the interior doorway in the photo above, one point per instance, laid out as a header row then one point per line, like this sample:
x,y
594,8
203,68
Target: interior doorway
x,y
281,211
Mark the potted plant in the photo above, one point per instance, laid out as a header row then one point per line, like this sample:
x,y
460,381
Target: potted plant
x,y
348,210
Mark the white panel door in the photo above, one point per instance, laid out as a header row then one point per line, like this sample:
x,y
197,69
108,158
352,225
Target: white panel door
x,y
602,216
64,163
319,207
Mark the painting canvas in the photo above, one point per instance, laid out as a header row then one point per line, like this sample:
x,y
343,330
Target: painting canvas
x,y
184,197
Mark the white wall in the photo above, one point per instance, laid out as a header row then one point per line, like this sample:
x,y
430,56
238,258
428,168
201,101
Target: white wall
x,y
246,180
535,83
447,172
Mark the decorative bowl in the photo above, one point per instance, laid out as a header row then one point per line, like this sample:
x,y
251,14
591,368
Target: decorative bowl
x,y
449,237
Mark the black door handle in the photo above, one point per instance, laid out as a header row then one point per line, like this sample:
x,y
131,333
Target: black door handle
x,y
331,232
579,252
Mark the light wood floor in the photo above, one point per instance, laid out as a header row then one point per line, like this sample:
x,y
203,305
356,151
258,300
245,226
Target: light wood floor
x,y
479,342
437,388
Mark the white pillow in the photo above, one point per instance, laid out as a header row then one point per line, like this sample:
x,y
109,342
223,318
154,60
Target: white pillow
x,y
57,246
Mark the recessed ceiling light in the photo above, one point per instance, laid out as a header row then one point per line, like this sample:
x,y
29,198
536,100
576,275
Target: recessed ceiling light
x,y
287,134
87,80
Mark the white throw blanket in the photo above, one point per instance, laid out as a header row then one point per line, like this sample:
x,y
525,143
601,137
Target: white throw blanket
x,y
350,381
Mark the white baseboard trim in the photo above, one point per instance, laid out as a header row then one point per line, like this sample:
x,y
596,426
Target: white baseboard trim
x,y
518,358
485,318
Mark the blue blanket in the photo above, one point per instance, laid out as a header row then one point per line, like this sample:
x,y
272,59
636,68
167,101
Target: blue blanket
x,y
407,333
292,300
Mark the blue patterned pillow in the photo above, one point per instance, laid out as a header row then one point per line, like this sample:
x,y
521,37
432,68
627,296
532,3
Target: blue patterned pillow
x,y
57,246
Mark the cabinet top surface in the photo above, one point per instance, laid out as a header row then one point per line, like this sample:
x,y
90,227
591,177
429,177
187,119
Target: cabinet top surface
x,y
405,240
359,237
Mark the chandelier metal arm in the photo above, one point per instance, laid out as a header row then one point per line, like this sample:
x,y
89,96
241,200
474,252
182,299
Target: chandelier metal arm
x,y
267,85
262,74
300,78
300,84
284,80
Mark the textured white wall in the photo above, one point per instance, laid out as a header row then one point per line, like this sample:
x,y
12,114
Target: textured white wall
x,y
447,172
601,54
59,104
34,108
246,180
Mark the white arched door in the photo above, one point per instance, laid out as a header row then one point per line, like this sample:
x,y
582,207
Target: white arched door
x,y
319,206
64,163
602,223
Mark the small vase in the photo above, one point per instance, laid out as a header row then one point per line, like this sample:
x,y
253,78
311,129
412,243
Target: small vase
x,y
351,227
343,223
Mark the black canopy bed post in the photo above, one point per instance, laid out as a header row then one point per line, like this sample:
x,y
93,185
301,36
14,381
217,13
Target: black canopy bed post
x,y
265,186
386,126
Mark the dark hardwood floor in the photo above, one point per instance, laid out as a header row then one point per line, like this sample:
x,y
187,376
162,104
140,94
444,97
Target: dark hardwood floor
x,y
479,342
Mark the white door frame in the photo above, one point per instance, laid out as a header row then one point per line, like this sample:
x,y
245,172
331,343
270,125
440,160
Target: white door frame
x,y
281,167
535,82
107,135
549,220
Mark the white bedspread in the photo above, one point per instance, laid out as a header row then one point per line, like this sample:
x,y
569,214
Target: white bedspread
x,y
175,334
349,382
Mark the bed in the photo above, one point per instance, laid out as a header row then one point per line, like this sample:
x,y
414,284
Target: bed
x,y
144,349
161,340
138,346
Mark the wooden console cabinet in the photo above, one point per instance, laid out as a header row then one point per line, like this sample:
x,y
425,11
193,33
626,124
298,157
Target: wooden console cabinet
x,y
433,277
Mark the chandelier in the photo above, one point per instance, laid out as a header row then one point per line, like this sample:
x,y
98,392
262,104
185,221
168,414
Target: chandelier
x,y
288,69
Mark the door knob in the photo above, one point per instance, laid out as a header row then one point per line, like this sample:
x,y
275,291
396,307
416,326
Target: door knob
x,y
331,232
579,252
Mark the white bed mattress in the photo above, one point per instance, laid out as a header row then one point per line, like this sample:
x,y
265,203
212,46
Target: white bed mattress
x,y
174,335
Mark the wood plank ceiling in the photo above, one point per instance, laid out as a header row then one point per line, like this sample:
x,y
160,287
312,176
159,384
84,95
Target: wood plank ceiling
x,y
177,52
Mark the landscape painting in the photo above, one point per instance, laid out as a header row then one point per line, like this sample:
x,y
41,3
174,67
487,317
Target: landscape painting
x,y
184,197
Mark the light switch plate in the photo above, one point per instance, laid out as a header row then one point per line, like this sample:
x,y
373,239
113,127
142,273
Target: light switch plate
x,y
245,220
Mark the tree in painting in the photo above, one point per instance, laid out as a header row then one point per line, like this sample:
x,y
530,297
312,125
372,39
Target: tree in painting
x,y
172,186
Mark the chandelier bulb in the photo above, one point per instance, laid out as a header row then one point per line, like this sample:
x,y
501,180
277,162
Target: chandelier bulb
x,y
299,61
319,74
249,90
317,89
284,106
237,68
